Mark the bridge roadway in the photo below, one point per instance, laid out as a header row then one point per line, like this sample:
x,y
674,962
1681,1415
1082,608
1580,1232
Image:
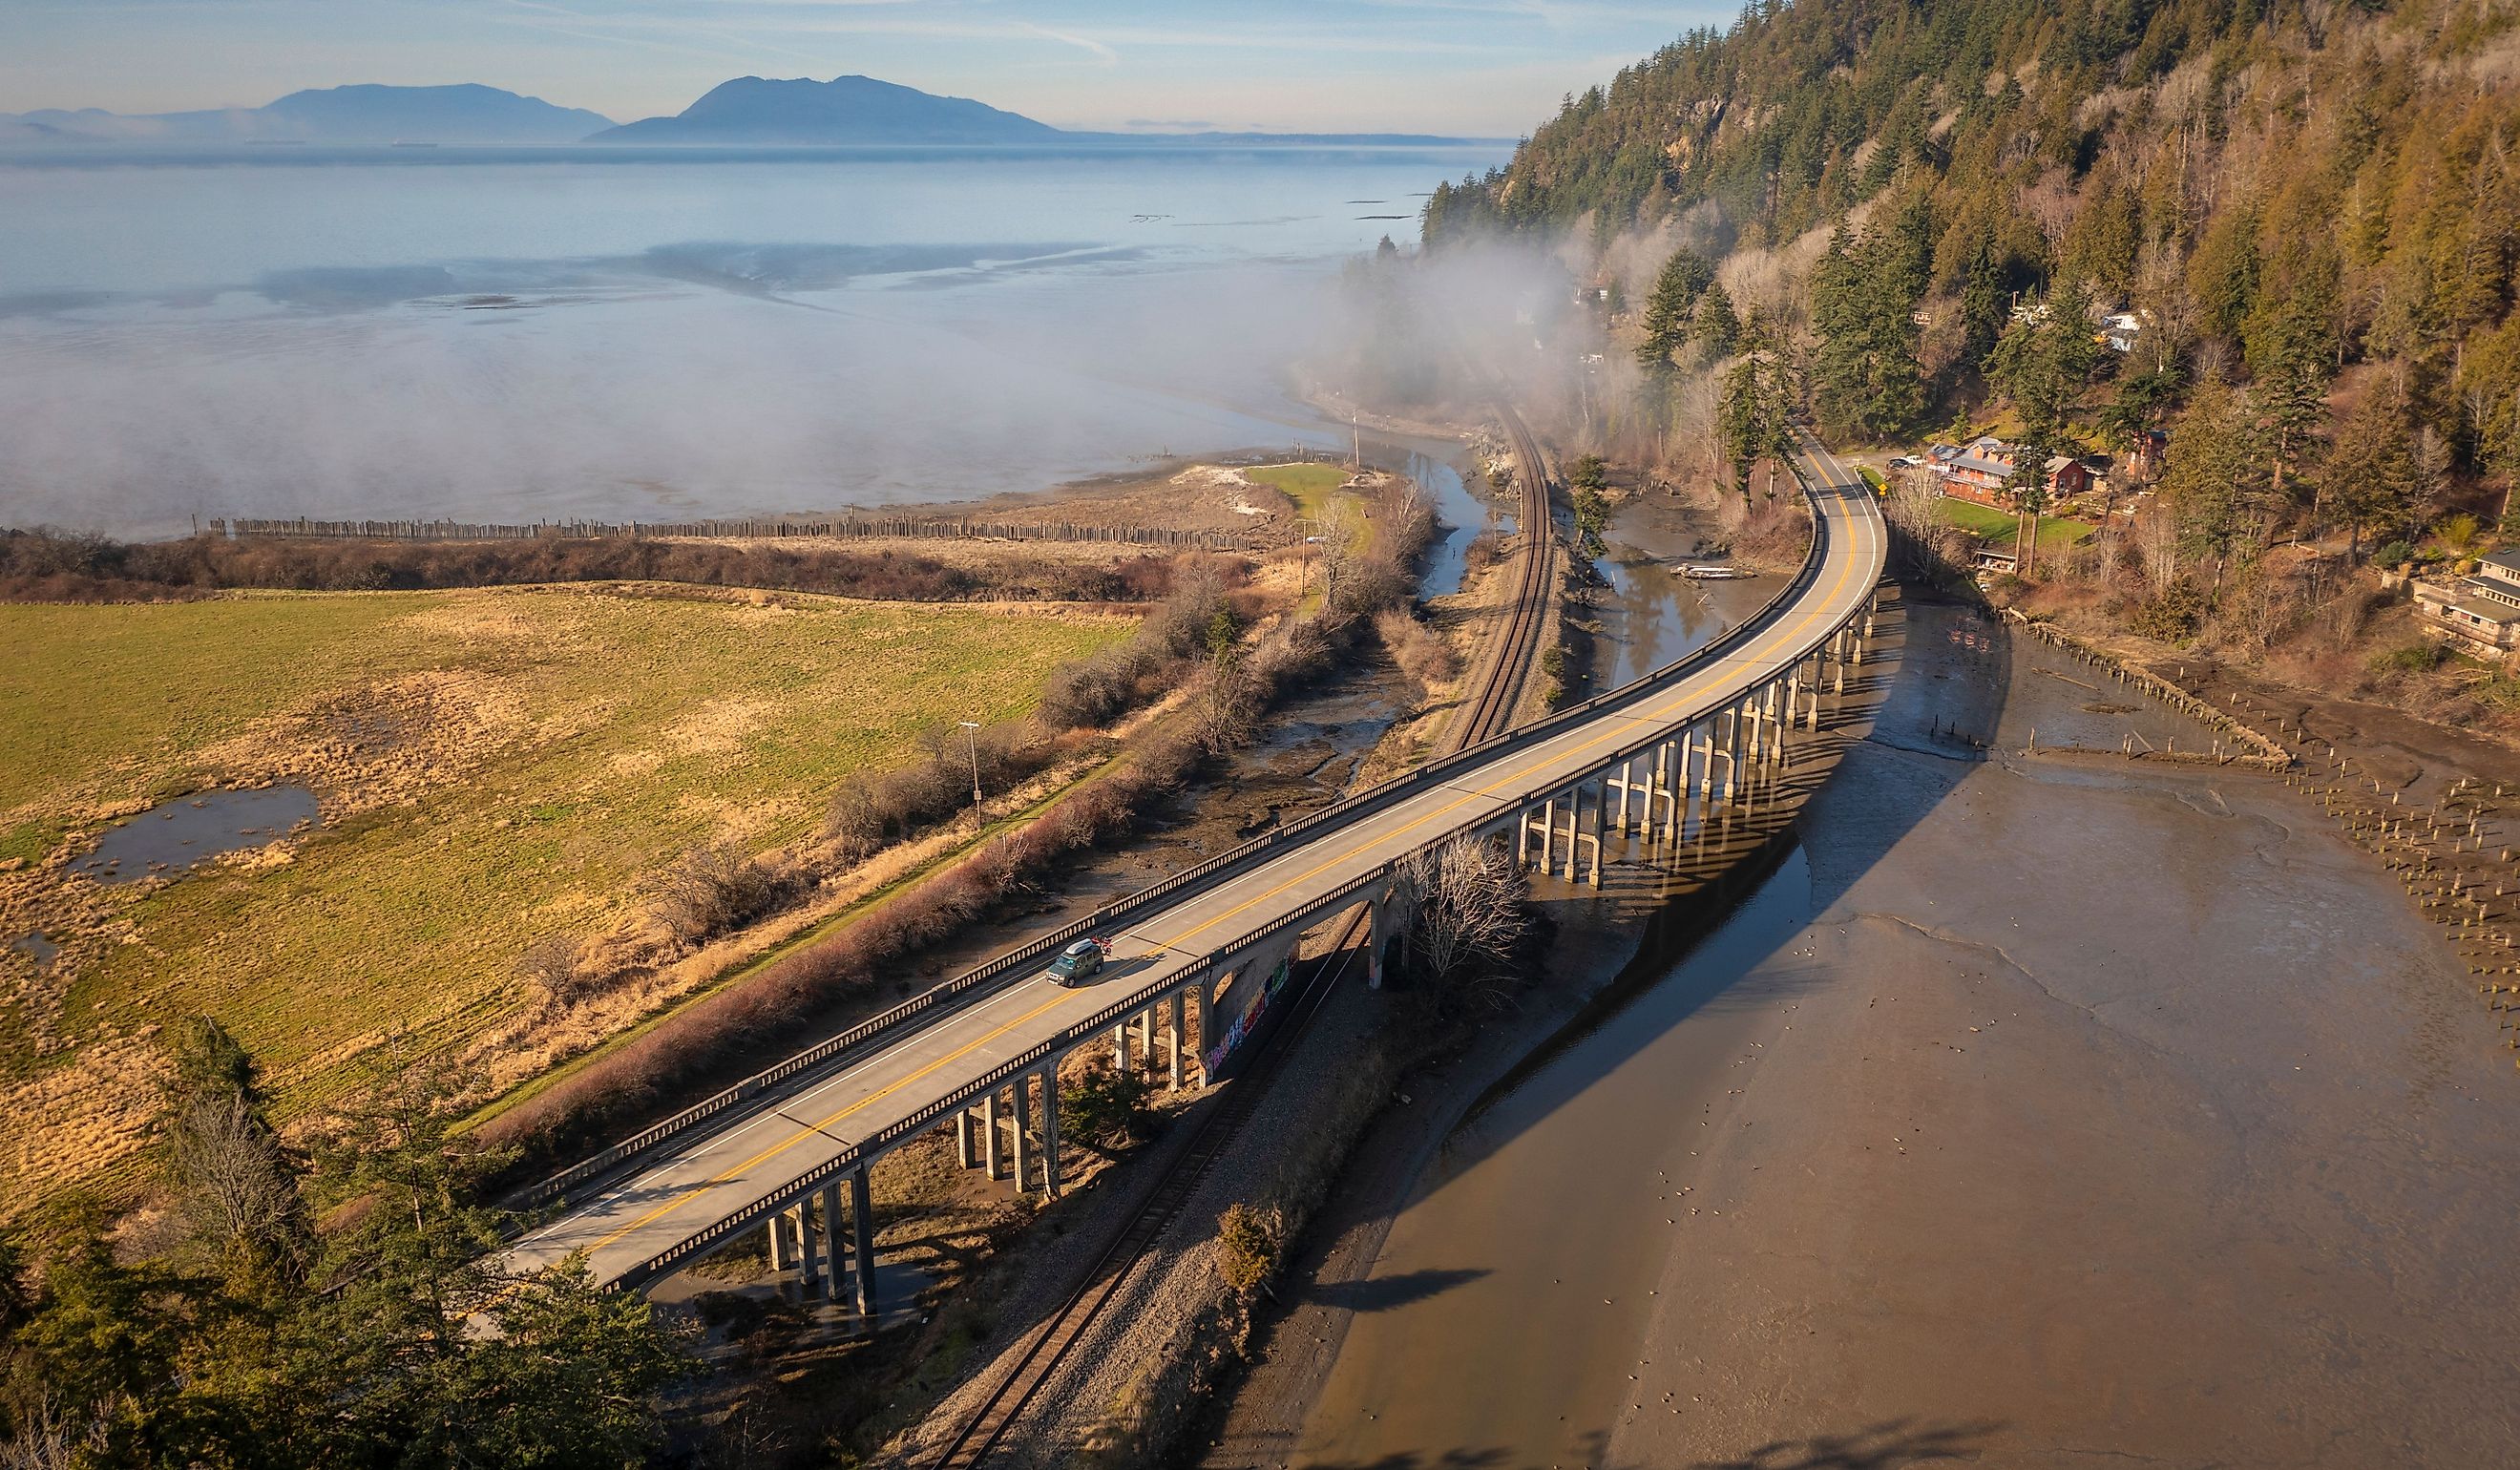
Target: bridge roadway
x,y
696,1185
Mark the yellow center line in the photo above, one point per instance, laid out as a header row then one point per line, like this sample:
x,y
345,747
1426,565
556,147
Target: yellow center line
x,y
1790,631
815,1128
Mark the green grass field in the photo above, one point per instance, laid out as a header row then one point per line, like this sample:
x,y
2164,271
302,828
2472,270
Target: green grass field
x,y
495,765
1314,488
2003,527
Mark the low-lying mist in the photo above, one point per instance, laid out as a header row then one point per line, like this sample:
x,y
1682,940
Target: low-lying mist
x,y
730,375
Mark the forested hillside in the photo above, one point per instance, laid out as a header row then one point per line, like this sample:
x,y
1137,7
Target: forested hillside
x,y
1901,219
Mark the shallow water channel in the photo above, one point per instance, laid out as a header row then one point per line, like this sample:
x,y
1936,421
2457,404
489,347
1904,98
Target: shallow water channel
x,y
2027,1110
175,835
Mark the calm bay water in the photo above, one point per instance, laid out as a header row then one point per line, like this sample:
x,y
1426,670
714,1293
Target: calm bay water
x,y
533,334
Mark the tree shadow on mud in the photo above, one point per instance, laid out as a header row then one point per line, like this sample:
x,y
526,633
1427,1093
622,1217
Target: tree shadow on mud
x,y
1383,1292
1892,1444
1888,1446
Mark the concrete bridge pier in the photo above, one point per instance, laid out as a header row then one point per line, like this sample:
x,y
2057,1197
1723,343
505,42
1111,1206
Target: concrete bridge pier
x,y
990,1142
1376,935
778,1228
862,1232
1022,1130
1120,1045
1176,1030
962,1143
1144,1021
809,1269
835,1246
1050,1129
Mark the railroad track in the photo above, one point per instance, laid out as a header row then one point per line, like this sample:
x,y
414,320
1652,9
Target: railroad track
x,y
1491,713
1492,710
1049,1343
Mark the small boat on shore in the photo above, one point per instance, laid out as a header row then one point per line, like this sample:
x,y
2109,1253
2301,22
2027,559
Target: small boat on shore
x,y
1708,571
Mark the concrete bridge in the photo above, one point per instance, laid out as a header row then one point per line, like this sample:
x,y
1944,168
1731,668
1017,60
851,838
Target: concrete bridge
x,y
1690,738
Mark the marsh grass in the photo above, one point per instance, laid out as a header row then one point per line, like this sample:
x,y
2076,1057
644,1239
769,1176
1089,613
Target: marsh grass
x,y
495,765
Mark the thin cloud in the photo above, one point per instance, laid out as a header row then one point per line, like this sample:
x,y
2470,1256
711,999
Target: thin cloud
x,y
1099,52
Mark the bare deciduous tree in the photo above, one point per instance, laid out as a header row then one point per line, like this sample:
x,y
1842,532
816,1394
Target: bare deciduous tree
x,y
50,1437
238,1184
1461,907
2157,538
711,890
550,966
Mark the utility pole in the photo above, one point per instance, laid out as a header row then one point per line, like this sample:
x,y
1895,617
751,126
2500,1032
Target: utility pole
x,y
971,742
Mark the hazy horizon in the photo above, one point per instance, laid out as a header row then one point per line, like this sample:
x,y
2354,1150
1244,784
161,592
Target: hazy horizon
x,y
1464,67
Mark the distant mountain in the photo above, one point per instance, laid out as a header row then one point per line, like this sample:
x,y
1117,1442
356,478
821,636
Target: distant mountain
x,y
355,114
860,110
844,109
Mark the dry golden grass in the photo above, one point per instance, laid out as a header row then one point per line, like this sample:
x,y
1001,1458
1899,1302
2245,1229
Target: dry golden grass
x,y
494,766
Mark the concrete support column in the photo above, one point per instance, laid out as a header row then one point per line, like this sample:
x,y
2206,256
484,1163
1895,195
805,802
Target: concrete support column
x,y
835,1246
1146,1041
809,1265
989,1142
1600,831
778,1228
1050,1129
1523,839
1842,640
1731,754
1658,786
1120,1045
1574,815
962,1150
1374,941
1820,676
1177,1033
861,1233
1022,1132
1624,779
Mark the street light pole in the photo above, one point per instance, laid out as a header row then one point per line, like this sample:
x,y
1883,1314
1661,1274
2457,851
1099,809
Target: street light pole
x,y
971,742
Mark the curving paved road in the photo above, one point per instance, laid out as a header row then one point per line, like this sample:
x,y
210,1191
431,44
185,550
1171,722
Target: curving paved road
x,y
688,1189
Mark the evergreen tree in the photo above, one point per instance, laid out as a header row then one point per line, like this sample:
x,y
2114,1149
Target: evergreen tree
x,y
1981,304
1669,311
2212,486
2292,366
2374,469
1715,326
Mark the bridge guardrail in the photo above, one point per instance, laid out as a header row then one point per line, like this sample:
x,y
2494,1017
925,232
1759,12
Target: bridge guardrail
x,y
555,1187
865,1151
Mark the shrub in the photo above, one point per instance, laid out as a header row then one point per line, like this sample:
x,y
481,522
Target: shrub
x,y
1106,1108
2413,659
2393,553
550,966
1414,646
1246,1247
713,889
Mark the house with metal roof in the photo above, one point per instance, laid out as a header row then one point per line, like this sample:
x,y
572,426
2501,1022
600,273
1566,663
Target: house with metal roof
x,y
2478,611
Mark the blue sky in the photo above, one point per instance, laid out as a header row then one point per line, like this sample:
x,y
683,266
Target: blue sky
x,y
1491,67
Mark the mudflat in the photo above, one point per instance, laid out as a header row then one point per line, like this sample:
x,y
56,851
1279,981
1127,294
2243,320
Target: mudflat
x,y
2041,1111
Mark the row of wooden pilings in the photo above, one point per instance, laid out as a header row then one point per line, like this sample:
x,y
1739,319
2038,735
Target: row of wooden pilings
x,y
1716,759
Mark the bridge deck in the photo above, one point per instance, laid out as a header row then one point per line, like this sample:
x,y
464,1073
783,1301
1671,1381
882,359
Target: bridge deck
x,y
689,1188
